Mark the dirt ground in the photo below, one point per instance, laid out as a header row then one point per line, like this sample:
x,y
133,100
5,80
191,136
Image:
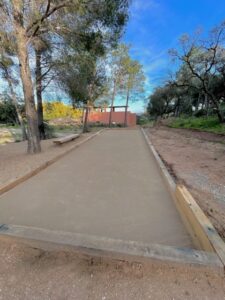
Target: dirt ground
x,y
28,273
198,160
14,161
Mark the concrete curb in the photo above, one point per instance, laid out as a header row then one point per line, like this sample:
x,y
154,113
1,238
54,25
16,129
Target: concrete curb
x,y
115,248
170,183
8,186
200,228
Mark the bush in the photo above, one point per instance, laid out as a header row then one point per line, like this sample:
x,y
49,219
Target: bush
x,y
200,113
210,124
7,112
54,110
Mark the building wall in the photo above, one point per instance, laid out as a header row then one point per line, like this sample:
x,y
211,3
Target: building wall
x,y
118,117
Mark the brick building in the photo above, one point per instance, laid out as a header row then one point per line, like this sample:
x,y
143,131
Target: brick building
x,y
102,115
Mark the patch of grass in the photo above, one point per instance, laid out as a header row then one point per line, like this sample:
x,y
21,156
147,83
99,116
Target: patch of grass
x,y
209,124
10,126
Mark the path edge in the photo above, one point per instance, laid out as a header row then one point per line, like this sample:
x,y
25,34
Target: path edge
x,y
199,226
112,248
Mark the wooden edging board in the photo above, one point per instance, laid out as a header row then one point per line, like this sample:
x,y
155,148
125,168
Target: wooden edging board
x,y
114,248
203,233
16,181
201,227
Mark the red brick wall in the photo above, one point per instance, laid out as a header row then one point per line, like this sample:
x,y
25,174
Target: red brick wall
x,y
118,117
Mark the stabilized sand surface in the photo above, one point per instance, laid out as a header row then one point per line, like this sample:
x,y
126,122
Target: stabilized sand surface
x,y
109,187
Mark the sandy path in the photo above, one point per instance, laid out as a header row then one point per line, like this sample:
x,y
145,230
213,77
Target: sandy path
x,y
109,187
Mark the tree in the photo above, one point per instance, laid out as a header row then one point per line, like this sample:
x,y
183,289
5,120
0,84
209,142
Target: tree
x,y
204,61
83,80
118,71
134,81
43,67
24,21
81,67
161,102
6,63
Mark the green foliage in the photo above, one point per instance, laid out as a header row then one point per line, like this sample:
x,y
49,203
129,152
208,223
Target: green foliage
x,y
7,112
210,124
144,120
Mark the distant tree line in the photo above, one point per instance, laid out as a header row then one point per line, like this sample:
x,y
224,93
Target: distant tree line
x,y
198,86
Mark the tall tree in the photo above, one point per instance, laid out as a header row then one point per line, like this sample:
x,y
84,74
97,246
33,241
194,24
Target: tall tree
x,y
7,51
203,60
85,45
6,64
134,81
118,73
43,67
24,21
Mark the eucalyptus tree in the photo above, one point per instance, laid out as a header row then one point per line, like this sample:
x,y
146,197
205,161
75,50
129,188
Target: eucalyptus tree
x,y
43,75
118,72
133,82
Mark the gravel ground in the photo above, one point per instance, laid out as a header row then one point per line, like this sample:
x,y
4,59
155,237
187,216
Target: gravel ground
x,y
196,159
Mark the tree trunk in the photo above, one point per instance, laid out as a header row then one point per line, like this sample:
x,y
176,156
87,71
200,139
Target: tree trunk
x,y
126,108
112,104
217,107
34,145
177,110
85,127
220,115
38,75
206,101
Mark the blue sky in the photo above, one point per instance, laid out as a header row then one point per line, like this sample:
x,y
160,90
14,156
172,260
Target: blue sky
x,y
153,28
156,25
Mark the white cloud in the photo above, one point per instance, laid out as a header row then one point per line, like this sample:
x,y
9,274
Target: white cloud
x,y
140,5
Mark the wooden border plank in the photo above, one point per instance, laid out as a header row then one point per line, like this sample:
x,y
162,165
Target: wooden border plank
x,y
201,226
102,246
